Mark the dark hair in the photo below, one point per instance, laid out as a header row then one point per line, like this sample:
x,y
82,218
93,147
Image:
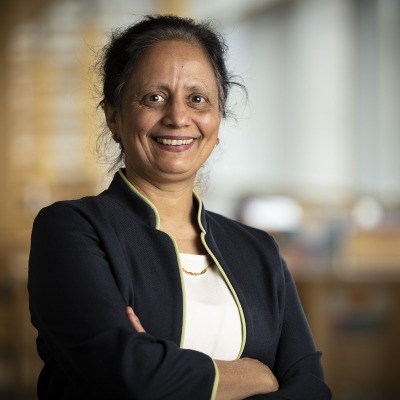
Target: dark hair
x,y
126,46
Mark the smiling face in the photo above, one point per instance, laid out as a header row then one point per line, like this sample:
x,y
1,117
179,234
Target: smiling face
x,y
169,118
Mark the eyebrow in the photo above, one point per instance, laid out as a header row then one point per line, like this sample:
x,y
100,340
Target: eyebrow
x,y
190,88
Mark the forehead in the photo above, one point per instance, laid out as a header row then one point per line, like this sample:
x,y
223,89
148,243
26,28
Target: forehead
x,y
172,48
175,57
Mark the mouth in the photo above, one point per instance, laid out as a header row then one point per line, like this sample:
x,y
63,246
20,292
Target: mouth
x,y
174,142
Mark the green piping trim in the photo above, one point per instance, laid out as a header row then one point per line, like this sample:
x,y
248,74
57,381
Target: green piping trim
x,y
153,207
241,313
199,212
183,294
145,199
202,235
216,382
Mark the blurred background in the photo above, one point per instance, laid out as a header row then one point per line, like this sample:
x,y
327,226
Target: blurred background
x,y
313,156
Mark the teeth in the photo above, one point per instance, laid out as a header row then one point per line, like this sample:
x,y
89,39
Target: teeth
x,y
174,142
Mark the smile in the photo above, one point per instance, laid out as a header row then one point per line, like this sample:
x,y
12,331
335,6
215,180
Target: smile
x,y
174,142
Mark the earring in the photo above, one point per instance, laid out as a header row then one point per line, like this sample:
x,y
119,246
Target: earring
x,y
216,144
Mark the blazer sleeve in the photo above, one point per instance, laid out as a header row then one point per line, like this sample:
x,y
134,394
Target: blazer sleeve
x,y
298,366
79,313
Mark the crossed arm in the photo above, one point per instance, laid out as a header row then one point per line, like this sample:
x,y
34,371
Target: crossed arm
x,y
85,329
238,379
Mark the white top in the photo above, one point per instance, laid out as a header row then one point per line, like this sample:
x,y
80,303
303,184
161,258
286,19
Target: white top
x,y
213,324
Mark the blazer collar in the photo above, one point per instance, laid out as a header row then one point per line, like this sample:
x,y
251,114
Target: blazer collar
x,y
141,206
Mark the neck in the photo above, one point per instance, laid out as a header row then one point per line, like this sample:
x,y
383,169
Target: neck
x,y
174,201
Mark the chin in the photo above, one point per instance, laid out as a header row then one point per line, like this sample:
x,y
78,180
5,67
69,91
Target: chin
x,y
177,174
177,169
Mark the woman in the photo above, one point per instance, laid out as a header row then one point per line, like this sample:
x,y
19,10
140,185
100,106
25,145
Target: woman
x,y
139,293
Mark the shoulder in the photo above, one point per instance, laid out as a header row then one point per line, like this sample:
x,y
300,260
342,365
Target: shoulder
x,y
245,244
251,255
70,214
67,207
234,229
89,207
57,216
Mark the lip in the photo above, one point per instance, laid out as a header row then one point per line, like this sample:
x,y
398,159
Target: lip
x,y
174,148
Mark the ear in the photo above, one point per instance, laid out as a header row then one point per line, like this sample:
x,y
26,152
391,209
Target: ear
x,y
111,114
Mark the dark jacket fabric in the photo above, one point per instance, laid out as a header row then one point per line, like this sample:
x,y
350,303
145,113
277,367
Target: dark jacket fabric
x,y
92,257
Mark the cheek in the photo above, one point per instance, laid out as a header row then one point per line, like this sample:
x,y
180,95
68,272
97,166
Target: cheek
x,y
139,124
210,124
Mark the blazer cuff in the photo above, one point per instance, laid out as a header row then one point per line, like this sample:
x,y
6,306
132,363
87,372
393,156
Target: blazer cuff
x,y
216,382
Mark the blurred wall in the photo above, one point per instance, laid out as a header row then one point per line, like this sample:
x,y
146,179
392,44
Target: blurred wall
x,y
315,144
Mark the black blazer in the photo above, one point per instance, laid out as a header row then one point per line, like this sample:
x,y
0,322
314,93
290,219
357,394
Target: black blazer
x,y
92,257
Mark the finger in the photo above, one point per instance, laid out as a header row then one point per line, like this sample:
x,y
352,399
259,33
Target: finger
x,y
134,320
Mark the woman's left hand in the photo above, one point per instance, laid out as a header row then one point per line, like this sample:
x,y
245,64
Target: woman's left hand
x,y
135,321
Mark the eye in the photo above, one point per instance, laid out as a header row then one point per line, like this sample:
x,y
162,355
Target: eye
x,y
197,99
153,98
198,102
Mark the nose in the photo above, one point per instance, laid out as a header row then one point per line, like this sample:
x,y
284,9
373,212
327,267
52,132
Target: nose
x,y
177,114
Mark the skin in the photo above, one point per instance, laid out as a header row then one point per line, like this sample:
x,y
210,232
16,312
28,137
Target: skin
x,y
238,379
173,95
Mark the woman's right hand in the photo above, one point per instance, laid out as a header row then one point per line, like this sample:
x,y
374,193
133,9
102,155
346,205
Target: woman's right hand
x,y
245,377
134,320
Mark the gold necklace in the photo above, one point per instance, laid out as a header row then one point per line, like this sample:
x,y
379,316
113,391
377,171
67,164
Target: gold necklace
x,y
197,273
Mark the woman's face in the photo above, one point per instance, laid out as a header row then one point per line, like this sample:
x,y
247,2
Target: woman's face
x,y
169,119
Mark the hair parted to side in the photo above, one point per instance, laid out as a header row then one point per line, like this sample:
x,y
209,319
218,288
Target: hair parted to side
x,y
126,46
